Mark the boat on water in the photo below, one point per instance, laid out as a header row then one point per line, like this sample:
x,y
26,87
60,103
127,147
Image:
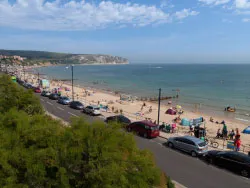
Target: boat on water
x,y
230,109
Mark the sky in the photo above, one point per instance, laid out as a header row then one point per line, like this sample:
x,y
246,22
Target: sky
x,y
141,30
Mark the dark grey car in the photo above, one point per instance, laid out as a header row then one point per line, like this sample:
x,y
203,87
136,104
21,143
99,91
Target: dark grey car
x,y
189,144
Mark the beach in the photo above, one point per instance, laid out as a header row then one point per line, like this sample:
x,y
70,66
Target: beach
x,y
133,109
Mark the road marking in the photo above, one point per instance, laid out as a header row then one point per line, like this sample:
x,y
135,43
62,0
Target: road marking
x,y
60,108
49,103
42,100
72,114
178,185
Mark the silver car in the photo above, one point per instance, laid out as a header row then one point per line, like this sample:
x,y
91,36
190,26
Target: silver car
x,y
190,144
93,110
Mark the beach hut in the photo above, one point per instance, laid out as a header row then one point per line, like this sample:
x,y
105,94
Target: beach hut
x,y
247,130
171,112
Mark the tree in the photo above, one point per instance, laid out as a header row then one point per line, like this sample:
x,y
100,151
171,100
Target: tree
x,y
37,151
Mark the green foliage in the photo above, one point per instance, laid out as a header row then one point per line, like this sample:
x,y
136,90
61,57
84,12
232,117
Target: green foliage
x,y
37,151
12,95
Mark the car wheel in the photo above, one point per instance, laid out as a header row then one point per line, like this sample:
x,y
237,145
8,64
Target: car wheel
x,y
193,154
171,145
244,173
145,135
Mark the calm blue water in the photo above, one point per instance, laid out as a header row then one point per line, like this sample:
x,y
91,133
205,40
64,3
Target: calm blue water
x,y
212,86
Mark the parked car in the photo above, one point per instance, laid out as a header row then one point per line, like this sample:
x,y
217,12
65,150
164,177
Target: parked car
x,y
189,144
46,93
64,100
119,119
76,105
144,128
93,110
28,86
37,90
236,162
53,96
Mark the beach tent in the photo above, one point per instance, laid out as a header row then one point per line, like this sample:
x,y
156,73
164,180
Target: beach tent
x,y
171,112
247,130
185,122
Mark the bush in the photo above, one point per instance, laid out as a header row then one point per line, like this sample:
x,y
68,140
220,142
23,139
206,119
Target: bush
x,y
37,151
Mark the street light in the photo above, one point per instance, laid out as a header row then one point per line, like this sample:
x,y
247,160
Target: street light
x,y
72,81
159,106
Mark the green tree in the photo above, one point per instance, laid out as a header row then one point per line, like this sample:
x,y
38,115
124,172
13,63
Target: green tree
x,y
37,151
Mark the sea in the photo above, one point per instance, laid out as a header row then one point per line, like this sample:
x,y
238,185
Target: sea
x,y
206,87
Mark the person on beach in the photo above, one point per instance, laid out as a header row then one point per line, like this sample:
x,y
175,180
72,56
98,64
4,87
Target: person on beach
x,y
219,134
142,107
224,131
231,135
237,144
150,109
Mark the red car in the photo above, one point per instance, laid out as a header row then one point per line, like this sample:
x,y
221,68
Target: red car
x,y
144,128
37,90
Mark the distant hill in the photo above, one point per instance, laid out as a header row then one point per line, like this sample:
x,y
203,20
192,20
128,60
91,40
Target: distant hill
x,y
64,58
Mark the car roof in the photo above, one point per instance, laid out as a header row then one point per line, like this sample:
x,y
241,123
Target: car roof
x,y
242,155
194,139
148,123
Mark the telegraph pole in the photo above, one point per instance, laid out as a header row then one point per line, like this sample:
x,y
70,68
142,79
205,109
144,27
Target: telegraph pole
x,y
72,81
159,106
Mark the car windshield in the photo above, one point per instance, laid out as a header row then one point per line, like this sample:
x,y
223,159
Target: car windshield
x,y
154,128
202,144
65,98
96,108
78,103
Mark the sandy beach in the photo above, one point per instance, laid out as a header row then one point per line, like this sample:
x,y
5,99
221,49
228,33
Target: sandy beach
x,y
134,111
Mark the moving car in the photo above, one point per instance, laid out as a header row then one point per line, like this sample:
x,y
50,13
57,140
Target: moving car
x,y
119,119
234,161
45,93
37,90
144,128
93,110
189,144
53,96
76,105
64,100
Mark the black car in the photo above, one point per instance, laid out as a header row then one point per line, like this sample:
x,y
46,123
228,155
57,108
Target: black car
x,y
76,105
53,96
234,161
119,119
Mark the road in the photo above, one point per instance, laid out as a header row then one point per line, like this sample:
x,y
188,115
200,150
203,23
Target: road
x,y
188,171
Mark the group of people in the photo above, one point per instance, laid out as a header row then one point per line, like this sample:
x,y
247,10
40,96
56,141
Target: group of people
x,y
168,127
233,135
144,105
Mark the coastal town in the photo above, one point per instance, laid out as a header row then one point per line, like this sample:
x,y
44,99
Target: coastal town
x,y
173,117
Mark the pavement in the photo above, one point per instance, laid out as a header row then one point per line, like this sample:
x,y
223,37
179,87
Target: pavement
x,y
184,169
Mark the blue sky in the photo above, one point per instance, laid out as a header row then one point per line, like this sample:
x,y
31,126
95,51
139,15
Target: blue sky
x,y
140,30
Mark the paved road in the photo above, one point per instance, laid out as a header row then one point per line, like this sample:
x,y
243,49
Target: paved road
x,y
190,172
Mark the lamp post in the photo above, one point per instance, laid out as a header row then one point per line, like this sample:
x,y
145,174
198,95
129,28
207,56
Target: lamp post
x,y
72,81
159,106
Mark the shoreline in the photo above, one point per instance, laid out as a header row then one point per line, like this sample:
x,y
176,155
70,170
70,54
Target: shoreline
x,y
131,108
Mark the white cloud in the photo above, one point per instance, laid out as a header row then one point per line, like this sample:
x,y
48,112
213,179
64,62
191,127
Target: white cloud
x,y
246,20
242,4
214,2
166,4
82,15
185,13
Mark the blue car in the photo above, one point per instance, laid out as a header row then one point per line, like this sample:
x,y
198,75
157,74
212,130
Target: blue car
x,y
64,100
